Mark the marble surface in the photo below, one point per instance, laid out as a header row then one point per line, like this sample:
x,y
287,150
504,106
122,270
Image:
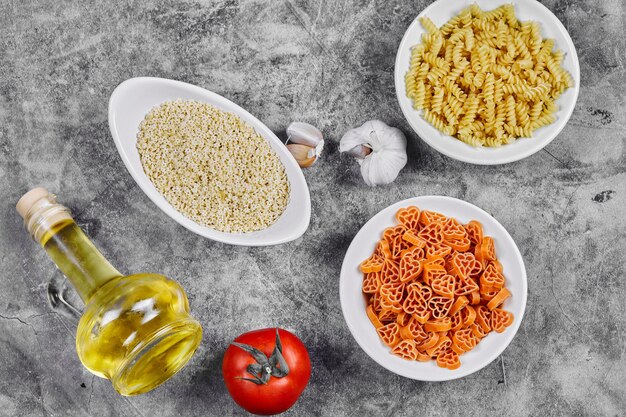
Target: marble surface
x,y
331,64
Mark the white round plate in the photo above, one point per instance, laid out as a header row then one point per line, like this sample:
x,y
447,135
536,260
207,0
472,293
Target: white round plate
x,y
128,106
440,12
353,301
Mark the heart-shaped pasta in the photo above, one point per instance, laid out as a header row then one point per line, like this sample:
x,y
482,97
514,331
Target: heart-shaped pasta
x,y
390,334
444,285
435,287
406,349
409,217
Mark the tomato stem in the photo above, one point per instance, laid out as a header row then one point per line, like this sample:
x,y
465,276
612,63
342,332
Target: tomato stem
x,y
265,368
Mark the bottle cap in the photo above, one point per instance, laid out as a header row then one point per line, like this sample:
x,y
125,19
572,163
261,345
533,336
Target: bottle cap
x,y
29,199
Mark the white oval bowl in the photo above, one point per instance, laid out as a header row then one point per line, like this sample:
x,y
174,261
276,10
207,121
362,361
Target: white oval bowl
x,y
353,301
551,27
129,104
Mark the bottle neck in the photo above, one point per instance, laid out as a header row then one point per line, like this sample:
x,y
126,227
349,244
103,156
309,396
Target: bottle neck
x,y
52,225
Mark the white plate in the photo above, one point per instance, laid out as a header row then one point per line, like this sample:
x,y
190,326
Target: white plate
x,y
353,301
128,106
440,12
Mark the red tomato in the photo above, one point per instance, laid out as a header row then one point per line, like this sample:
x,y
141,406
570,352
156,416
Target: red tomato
x,y
258,378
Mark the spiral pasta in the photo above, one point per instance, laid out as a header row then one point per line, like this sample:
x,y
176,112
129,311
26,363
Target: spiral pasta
x,y
486,77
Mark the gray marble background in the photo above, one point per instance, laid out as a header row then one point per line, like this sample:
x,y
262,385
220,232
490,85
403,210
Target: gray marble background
x,y
331,64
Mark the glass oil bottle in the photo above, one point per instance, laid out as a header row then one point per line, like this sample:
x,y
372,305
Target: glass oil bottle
x,y
136,330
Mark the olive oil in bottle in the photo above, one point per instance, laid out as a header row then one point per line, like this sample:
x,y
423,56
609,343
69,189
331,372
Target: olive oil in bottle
x,y
136,330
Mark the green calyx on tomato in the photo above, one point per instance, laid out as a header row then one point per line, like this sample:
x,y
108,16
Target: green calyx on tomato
x,y
265,368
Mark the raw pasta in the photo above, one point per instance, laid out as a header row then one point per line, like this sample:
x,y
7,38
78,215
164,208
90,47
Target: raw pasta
x,y
434,287
485,77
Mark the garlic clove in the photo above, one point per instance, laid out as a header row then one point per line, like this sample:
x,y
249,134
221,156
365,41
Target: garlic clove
x,y
305,134
359,151
307,143
304,155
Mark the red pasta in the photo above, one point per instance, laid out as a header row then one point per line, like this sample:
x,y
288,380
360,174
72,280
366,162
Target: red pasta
x,y
435,287
406,349
409,217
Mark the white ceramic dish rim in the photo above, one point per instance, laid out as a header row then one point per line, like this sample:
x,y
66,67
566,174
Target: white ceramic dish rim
x,y
384,357
295,176
487,156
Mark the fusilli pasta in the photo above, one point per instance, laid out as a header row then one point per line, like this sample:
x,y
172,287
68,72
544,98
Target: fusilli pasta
x,y
486,77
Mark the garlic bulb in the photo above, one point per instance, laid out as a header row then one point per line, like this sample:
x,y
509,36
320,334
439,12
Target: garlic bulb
x,y
307,145
387,155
